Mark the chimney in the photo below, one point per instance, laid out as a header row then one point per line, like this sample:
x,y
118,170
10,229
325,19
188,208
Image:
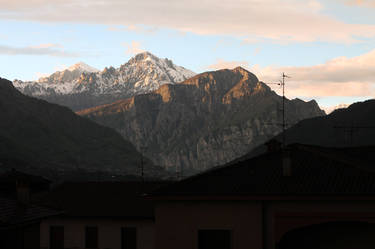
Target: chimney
x,y
23,191
287,163
273,146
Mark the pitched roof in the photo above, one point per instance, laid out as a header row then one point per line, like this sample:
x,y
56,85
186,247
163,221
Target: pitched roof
x,y
103,199
315,171
10,179
13,175
13,213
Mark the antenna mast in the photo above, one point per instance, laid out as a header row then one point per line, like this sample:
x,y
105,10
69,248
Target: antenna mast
x,y
142,150
283,124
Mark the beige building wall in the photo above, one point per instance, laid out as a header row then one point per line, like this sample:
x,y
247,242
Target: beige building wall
x,y
177,223
109,232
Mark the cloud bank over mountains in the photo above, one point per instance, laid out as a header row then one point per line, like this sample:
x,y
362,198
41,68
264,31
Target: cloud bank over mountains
x,y
41,49
341,76
250,20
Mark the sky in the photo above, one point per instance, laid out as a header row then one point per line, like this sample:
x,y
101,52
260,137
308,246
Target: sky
x,y
326,47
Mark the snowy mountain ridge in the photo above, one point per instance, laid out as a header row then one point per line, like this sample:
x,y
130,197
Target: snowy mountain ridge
x,y
83,67
331,109
82,86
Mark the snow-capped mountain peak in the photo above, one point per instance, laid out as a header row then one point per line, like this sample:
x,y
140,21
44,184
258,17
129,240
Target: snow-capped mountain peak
x,y
144,56
82,86
82,67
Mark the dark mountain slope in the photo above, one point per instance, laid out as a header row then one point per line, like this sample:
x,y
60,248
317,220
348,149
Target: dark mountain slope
x,y
353,126
51,137
349,127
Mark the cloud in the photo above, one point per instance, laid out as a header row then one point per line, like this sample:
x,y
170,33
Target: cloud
x,y
329,109
135,28
257,51
42,49
340,76
133,48
364,3
41,75
47,45
222,64
59,67
250,20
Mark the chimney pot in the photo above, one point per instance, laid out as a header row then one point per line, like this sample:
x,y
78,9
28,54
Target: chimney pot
x,y
273,146
287,164
23,192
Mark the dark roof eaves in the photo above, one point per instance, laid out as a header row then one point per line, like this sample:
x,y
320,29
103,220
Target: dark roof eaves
x,y
262,197
117,217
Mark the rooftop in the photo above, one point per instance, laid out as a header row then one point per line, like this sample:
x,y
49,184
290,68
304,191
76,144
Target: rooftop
x,y
13,213
315,171
103,199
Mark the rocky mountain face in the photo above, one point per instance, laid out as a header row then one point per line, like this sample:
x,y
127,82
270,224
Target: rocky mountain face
x,y
82,86
204,121
43,137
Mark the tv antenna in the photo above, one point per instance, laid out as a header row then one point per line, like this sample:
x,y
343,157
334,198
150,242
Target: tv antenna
x,y
281,83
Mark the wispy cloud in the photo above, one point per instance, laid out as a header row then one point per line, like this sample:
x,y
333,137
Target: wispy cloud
x,y
133,48
329,109
222,64
59,67
47,45
41,49
40,75
340,77
251,20
140,29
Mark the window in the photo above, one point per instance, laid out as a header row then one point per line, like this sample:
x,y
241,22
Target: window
x,y
214,239
128,238
56,237
91,237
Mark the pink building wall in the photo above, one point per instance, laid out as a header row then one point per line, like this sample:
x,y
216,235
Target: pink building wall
x,y
109,232
178,222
